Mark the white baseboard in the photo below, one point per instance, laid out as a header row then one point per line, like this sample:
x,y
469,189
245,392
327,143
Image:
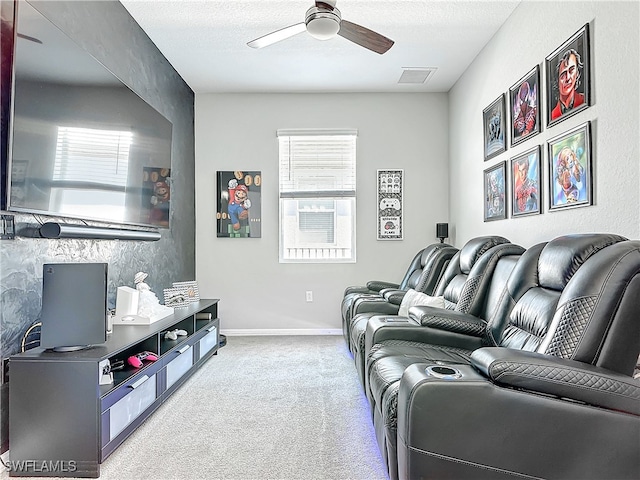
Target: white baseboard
x,y
244,332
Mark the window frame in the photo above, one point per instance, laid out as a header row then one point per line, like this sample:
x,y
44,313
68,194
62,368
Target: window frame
x,y
341,168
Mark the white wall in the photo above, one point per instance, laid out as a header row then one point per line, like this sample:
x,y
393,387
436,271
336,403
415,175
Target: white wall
x,y
238,132
533,31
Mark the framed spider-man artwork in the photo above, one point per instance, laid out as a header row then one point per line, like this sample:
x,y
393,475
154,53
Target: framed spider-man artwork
x,y
524,104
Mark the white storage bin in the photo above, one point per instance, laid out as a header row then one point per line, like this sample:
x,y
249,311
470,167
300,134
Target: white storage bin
x,y
180,365
127,409
209,341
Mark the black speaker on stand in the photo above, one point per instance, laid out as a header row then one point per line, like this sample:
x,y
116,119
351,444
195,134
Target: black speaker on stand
x,y
442,231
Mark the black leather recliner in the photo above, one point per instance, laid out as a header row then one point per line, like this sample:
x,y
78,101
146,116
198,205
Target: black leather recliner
x,y
423,275
525,317
566,409
463,286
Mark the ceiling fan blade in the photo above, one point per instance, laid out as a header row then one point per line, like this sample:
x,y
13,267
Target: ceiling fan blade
x,y
365,37
278,35
31,39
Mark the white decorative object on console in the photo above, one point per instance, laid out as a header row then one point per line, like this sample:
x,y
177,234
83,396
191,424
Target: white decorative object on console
x,y
127,299
139,306
176,296
192,290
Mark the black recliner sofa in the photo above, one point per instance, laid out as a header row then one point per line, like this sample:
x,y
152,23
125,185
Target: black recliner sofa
x,y
575,296
463,287
569,410
423,275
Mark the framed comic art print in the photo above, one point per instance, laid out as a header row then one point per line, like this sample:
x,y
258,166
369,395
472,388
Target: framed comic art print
x,y
390,203
494,192
493,121
524,105
239,205
570,178
525,183
568,74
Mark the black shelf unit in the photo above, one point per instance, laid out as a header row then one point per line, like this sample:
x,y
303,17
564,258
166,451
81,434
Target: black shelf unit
x,y
63,423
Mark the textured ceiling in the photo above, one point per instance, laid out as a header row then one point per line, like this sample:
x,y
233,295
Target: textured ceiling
x,y
206,42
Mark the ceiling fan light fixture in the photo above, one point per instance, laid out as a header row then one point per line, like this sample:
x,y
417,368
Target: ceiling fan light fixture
x,y
323,24
323,21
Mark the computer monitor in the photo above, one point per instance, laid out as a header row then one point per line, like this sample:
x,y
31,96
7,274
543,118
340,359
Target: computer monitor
x,y
74,305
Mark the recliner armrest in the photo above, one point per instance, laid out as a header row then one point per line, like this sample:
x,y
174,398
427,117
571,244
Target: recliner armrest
x,y
350,290
377,285
394,296
560,377
373,304
449,320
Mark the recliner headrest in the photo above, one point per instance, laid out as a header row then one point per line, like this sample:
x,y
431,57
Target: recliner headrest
x,y
562,256
431,251
474,249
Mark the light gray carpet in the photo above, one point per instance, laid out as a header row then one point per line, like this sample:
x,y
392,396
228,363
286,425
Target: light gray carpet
x,y
263,408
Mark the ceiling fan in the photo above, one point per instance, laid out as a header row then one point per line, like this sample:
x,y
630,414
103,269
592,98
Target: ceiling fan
x,y
323,21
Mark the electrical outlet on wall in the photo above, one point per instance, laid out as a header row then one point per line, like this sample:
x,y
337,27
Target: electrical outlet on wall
x,y
309,296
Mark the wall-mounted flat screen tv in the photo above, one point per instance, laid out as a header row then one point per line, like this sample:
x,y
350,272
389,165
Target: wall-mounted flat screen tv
x,y
83,144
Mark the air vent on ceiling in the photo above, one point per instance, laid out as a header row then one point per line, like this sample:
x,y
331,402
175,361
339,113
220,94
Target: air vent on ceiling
x,y
416,74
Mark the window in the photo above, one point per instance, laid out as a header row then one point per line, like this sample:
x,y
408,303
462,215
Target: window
x,y
317,195
87,157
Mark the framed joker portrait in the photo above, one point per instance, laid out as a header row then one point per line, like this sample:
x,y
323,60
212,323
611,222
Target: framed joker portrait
x,y
568,78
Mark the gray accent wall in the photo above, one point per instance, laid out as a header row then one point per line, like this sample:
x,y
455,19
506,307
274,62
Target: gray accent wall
x,y
107,31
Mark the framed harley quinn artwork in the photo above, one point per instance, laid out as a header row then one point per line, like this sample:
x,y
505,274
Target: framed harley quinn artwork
x,y
524,104
568,77
239,204
570,180
525,183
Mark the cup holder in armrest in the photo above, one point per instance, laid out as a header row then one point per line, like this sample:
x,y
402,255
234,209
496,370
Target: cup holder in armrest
x,y
441,371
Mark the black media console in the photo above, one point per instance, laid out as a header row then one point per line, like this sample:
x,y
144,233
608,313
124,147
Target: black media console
x,y
63,423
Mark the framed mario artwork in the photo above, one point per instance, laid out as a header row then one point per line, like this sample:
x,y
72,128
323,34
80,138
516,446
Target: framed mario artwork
x,y
156,198
238,213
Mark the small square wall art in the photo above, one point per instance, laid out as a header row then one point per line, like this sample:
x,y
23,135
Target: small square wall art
x,y
495,135
494,192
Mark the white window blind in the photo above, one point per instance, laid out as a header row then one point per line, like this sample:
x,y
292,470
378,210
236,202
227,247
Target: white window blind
x,y
92,156
86,157
317,195
322,164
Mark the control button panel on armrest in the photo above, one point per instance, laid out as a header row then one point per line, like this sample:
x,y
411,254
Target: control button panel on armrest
x,y
394,319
